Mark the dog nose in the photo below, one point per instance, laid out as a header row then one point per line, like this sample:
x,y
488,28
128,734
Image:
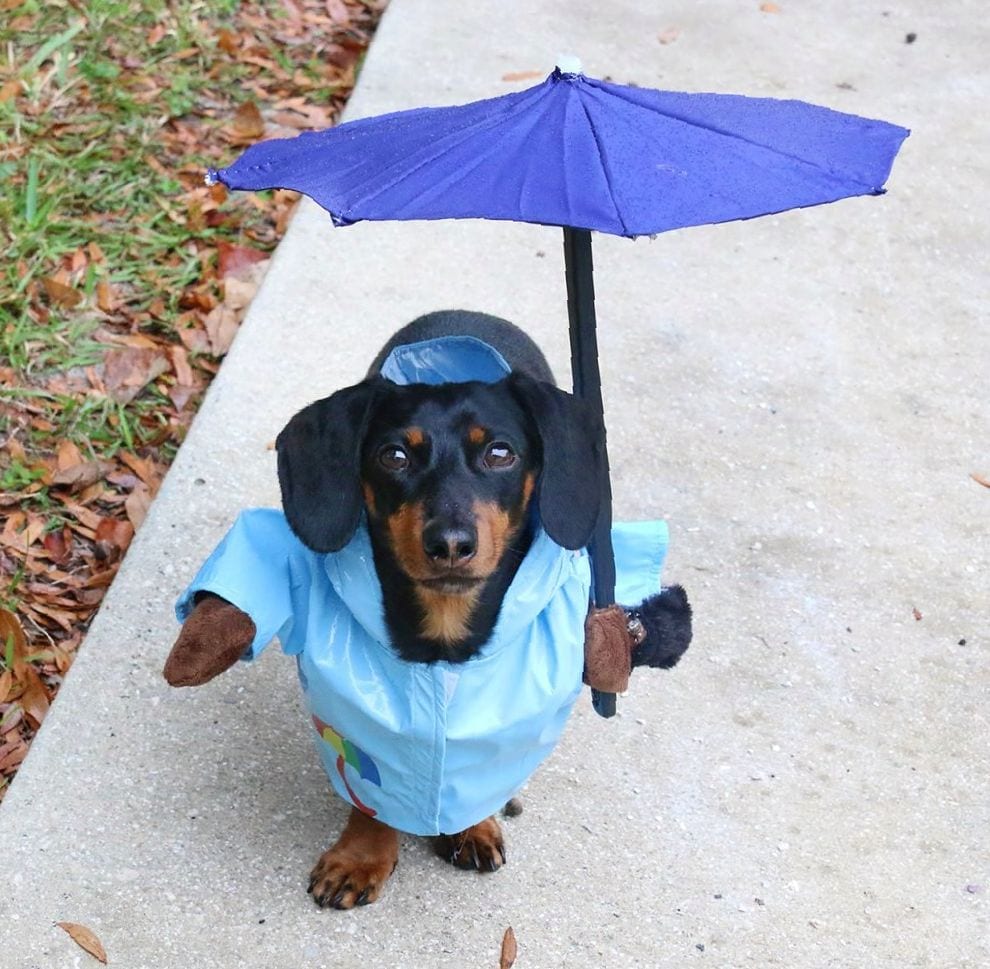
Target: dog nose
x,y
448,546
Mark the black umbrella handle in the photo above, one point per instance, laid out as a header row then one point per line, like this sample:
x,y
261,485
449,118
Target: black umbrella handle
x,y
579,271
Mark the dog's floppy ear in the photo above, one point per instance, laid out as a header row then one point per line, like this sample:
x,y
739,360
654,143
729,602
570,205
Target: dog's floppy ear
x,y
572,438
319,454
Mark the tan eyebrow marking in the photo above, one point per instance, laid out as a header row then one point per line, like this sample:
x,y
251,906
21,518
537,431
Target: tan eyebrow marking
x,y
415,436
476,435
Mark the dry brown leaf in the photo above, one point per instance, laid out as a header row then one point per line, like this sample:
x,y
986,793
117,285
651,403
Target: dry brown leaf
x,y
59,293
11,534
82,475
85,938
34,529
248,123
16,450
127,371
195,339
15,712
82,515
509,950
10,89
94,492
58,545
292,9
980,479
221,327
35,610
21,539
239,290
11,754
6,681
231,259
68,455
303,117
180,364
227,41
137,505
180,395
143,467
105,298
34,699
337,11
100,580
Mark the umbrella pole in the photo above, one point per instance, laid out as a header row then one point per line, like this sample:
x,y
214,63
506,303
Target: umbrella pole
x,y
579,272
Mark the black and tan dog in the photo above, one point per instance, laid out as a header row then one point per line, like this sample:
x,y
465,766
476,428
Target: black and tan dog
x,y
452,479
445,475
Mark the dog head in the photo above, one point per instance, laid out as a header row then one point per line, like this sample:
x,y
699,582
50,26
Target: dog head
x,y
445,473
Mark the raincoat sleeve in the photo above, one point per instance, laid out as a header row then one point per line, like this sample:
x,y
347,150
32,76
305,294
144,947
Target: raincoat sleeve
x,y
640,549
258,567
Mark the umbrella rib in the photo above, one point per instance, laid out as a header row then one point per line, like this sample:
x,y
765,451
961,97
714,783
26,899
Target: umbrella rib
x,y
605,168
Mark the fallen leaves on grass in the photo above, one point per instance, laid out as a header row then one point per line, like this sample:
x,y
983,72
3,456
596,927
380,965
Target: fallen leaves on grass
x,y
86,939
129,277
24,696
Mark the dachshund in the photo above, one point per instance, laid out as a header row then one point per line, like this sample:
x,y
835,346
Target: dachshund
x,y
453,480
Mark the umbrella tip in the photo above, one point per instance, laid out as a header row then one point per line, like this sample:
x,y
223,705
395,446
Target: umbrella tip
x,y
211,177
568,64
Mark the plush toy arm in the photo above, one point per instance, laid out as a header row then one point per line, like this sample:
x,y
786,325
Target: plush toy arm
x,y
617,638
666,623
214,637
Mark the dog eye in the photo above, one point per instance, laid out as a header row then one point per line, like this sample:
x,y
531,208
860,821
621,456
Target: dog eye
x,y
499,455
393,458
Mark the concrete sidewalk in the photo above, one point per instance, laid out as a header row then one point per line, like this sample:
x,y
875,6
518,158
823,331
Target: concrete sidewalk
x,y
803,397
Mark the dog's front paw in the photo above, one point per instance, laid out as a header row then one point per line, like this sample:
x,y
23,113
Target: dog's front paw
x,y
479,847
354,871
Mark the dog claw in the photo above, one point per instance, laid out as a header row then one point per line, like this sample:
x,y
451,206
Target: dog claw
x,y
362,899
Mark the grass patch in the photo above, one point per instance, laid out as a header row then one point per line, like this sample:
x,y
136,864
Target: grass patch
x,y
114,281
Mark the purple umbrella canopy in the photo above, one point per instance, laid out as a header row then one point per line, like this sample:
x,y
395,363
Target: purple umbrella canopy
x,y
580,152
586,155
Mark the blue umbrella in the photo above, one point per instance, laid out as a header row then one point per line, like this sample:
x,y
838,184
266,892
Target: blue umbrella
x,y
583,154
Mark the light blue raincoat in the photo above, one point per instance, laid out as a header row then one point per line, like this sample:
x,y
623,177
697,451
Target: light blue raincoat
x,y
425,748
